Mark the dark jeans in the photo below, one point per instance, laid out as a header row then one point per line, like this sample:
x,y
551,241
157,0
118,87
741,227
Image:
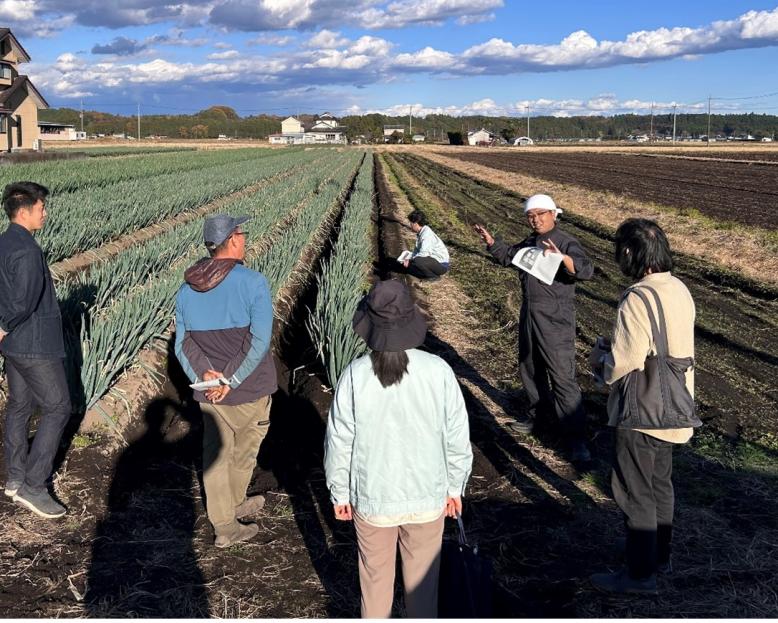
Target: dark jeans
x,y
643,490
426,268
547,367
31,383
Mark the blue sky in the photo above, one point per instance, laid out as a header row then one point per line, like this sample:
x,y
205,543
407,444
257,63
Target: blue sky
x,y
452,56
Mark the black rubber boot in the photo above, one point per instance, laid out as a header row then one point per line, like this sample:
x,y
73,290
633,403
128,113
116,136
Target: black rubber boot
x,y
641,553
664,549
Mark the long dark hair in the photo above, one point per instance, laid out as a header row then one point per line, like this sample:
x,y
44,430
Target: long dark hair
x,y
642,245
390,367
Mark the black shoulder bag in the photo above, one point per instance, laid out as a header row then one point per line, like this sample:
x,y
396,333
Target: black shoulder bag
x,y
656,397
465,589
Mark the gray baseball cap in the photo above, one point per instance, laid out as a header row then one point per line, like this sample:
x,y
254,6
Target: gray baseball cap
x,y
218,228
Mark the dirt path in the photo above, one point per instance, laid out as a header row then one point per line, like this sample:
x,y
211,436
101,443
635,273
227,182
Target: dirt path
x,y
744,251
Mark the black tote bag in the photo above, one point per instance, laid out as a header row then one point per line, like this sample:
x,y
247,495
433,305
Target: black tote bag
x,y
465,580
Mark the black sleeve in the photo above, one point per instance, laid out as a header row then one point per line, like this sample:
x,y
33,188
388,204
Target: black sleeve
x,y
584,269
27,283
504,253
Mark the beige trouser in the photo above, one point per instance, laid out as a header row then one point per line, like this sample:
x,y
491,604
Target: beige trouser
x,y
420,555
231,439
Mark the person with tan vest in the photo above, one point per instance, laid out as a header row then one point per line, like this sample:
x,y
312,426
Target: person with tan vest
x,y
655,320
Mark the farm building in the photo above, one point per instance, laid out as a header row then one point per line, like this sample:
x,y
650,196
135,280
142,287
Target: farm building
x,y
522,141
419,138
19,99
50,131
480,137
391,129
326,130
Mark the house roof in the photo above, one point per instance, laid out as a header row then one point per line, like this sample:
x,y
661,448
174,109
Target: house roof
x,y
23,82
53,124
5,33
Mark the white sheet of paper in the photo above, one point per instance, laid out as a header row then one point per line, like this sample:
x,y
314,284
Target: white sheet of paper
x,y
405,255
543,267
203,385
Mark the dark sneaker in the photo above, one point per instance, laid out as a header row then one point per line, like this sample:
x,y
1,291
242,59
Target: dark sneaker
x,y
619,583
243,533
12,486
250,506
523,426
40,503
579,453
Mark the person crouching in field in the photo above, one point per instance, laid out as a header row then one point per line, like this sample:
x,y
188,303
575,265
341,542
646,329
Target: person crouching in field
x,y
224,323
397,452
547,324
33,346
430,259
654,329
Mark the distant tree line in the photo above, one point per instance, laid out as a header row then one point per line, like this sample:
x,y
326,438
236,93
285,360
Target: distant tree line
x,y
217,120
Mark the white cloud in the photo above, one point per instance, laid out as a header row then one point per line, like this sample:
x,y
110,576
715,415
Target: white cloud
x,y
428,58
17,10
223,56
222,45
373,46
273,40
581,50
606,104
327,39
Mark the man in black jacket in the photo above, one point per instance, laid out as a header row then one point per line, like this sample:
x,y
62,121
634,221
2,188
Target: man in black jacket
x,y
547,323
33,346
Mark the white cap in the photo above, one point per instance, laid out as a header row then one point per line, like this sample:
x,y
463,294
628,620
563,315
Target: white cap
x,y
540,202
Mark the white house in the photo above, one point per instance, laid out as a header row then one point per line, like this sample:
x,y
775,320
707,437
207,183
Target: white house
x,y
325,131
291,125
522,141
419,138
50,131
480,137
325,122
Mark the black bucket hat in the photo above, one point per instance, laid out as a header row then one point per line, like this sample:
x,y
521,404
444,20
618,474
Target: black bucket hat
x,y
388,319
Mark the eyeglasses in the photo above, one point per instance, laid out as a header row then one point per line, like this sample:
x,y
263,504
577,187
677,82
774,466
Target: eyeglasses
x,y
534,215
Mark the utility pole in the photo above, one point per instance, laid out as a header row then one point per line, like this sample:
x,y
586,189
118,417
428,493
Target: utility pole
x,y
709,98
82,115
674,108
651,132
410,122
527,120
138,120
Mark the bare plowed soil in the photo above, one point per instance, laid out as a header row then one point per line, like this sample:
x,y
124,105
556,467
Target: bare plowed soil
x,y
726,191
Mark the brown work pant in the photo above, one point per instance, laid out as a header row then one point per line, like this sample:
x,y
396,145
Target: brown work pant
x,y
420,556
231,439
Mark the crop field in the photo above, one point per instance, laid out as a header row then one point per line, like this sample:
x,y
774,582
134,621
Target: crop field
x,y
737,192
100,152
325,223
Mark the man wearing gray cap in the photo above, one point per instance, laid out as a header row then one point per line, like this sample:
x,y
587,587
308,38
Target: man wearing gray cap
x,y
224,323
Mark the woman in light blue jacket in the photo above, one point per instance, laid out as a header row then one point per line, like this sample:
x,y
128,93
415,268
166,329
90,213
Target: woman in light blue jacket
x,y
397,452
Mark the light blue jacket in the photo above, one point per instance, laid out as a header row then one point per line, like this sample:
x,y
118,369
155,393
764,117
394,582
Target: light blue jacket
x,y
398,449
